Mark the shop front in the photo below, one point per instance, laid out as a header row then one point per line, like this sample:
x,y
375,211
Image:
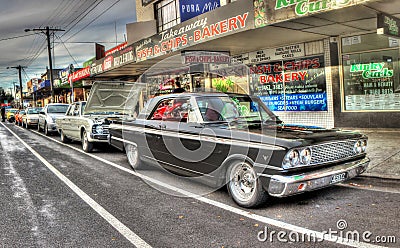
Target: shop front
x,y
317,63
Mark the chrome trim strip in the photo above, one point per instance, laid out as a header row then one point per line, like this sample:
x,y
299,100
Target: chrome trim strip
x,y
266,166
205,138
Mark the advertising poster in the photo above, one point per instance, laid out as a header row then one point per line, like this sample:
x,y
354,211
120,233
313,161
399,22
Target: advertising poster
x,y
291,85
193,8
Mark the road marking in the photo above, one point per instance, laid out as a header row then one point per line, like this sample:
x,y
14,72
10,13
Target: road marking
x,y
280,224
366,187
119,226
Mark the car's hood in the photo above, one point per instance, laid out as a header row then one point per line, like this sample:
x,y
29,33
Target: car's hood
x,y
114,96
56,115
289,135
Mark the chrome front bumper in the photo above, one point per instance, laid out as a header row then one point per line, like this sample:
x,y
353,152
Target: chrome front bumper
x,y
281,186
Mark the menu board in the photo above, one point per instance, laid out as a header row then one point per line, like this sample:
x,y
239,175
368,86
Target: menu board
x,y
291,85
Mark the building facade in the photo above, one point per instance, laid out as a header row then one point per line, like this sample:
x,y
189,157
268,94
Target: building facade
x,y
314,62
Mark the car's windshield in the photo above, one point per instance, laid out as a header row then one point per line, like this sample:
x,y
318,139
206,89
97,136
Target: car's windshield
x,y
234,108
57,109
33,111
12,110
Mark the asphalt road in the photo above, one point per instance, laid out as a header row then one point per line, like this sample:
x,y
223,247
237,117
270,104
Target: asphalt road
x,y
55,195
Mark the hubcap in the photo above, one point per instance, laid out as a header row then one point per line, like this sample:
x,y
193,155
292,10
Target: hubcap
x,y
243,181
132,154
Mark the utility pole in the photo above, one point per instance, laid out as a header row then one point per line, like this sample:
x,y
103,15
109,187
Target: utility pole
x,y
46,31
19,68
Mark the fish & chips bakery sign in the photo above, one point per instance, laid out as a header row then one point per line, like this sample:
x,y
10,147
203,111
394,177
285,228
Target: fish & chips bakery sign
x,y
197,30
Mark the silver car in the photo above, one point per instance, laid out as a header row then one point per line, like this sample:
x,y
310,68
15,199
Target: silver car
x,y
48,116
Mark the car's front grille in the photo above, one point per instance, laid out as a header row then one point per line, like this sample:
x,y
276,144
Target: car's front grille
x,y
332,151
105,129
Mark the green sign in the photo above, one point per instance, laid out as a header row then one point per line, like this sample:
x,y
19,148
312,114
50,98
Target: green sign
x,y
388,25
372,70
305,7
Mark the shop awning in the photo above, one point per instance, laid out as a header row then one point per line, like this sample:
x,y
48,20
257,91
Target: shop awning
x,y
350,20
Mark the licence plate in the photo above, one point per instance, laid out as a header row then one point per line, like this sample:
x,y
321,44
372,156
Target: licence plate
x,y
339,177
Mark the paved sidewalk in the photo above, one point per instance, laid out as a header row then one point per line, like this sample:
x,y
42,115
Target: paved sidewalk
x,y
384,152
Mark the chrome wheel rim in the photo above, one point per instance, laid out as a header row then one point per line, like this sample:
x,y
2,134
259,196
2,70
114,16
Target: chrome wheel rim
x,y
243,182
85,141
132,154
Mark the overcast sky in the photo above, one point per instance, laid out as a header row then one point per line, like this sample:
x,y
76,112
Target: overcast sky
x,y
84,21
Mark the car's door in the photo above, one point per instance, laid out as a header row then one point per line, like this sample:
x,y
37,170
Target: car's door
x,y
64,122
42,117
75,121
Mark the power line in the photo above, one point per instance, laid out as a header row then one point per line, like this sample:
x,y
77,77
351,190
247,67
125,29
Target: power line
x,y
102,13
76,63
16,37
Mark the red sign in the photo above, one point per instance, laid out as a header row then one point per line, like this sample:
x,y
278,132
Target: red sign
x,y
116,49
80,74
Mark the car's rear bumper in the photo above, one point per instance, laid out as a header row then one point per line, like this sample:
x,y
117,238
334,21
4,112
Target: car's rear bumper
x,y
282,185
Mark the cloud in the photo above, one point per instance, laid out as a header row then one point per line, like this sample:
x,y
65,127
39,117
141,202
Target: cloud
x,y
18,15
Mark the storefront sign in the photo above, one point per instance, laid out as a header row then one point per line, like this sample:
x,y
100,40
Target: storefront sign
x,y
204,57
268,12
193,8
220,23
293,85
79,74
118,58
116,48
241,59
279,53
388,25
372,70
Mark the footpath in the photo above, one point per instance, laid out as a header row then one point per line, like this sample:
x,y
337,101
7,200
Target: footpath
x,y
384,151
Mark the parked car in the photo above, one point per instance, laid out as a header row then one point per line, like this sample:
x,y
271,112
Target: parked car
x,y
10,114
30,117
236,140
48,116
18,117
88,121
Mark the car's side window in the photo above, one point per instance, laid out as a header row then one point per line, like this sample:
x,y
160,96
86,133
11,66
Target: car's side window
x,y
71,110
172,109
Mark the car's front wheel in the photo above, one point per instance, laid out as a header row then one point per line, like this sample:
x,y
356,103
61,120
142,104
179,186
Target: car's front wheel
x,y
64,139
132,153
86,145
38,127
46,129
244,186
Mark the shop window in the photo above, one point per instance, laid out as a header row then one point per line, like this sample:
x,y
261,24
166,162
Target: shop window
x,y
167,14
371,80
291,85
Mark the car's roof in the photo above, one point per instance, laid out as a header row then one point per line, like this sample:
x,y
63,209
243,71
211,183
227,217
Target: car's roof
x,y
57,104
190,94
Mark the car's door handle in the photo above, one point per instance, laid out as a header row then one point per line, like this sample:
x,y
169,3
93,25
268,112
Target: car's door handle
x,y
162,126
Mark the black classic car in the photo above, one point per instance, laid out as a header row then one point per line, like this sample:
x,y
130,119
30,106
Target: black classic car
x,y
236,140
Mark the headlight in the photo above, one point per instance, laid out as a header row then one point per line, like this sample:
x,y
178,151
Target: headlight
x,y
305,156
291,159
358,147
364,145
297,158
98,129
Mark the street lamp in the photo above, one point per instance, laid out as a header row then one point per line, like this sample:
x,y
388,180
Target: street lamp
x,y
46,31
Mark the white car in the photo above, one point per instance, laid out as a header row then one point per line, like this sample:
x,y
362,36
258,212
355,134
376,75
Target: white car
x,y
48,116
30,117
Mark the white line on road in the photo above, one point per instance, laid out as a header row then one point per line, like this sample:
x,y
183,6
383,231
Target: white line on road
x,y
311,233
118,225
